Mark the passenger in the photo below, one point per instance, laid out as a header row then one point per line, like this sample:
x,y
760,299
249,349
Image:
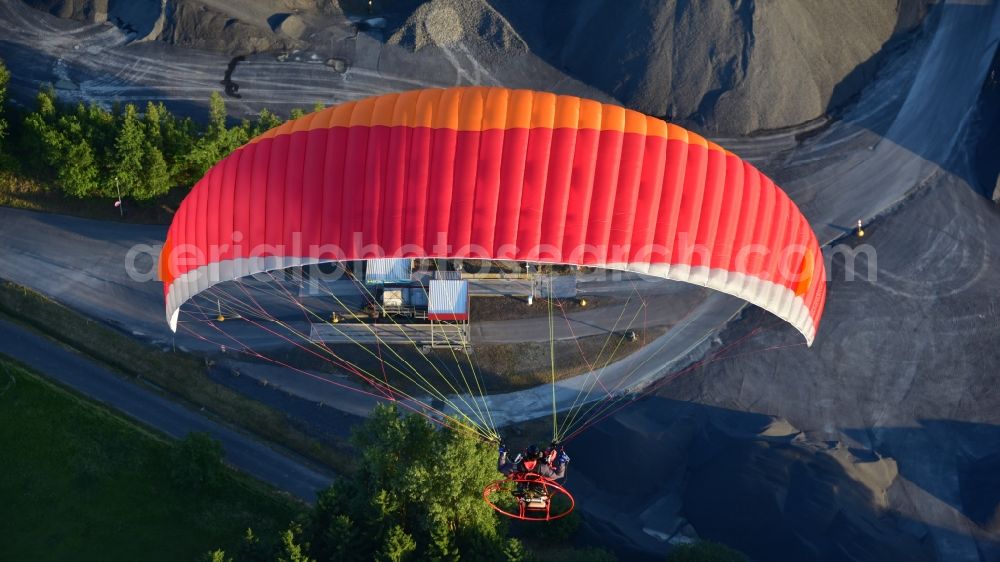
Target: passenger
x,y
551,464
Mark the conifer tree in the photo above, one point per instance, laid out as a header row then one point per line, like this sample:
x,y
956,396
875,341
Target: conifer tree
x,y
4,80
127,168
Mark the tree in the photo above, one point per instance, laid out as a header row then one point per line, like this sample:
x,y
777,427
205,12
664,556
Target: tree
x,y
74,161
216,115
441,544
252,549
4,80
217,141
139,167
403,488
398,546
130,146
705,551
39,139
217,555
290,549
265,122
196,462
178,138
335,537
153,123
100,128
514,551
46,103
57,145
157,176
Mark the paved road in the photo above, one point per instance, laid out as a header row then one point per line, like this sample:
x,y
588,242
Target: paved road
x,y
277,468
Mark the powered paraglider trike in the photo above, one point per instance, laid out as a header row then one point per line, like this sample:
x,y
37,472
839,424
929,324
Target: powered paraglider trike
x,y
535,497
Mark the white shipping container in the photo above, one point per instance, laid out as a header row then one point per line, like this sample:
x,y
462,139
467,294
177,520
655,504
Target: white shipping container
x,y
393,297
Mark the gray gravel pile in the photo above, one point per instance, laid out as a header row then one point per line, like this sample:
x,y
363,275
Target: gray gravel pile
x,y
239,28
749,480
471,24
727,66
191,23
83,10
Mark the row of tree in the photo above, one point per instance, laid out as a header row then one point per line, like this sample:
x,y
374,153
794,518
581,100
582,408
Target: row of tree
x,y
90,151
416,495
4,81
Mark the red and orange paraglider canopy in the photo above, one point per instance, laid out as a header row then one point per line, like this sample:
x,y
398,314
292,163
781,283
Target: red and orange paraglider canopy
x,y
493,173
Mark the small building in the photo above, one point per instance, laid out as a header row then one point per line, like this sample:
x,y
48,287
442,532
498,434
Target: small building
x,y
448,311
384,271
448,300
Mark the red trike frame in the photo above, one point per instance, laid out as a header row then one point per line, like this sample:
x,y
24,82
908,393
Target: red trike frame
x,y
524,512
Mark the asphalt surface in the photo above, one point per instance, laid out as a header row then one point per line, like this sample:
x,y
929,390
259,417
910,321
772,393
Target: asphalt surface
x,y
277,468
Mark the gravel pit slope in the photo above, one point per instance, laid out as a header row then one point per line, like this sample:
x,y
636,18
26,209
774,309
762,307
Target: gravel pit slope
x,y
726,67
719,66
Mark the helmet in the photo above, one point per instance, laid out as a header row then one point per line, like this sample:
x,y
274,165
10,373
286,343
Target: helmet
x,y
532,453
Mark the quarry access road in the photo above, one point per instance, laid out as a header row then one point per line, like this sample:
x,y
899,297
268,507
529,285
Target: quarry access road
x,y
278,468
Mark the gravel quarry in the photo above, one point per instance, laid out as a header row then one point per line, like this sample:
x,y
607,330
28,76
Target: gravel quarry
x,y
880,442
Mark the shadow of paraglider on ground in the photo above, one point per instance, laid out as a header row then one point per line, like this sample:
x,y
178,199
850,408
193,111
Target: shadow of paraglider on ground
x,y
760,485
